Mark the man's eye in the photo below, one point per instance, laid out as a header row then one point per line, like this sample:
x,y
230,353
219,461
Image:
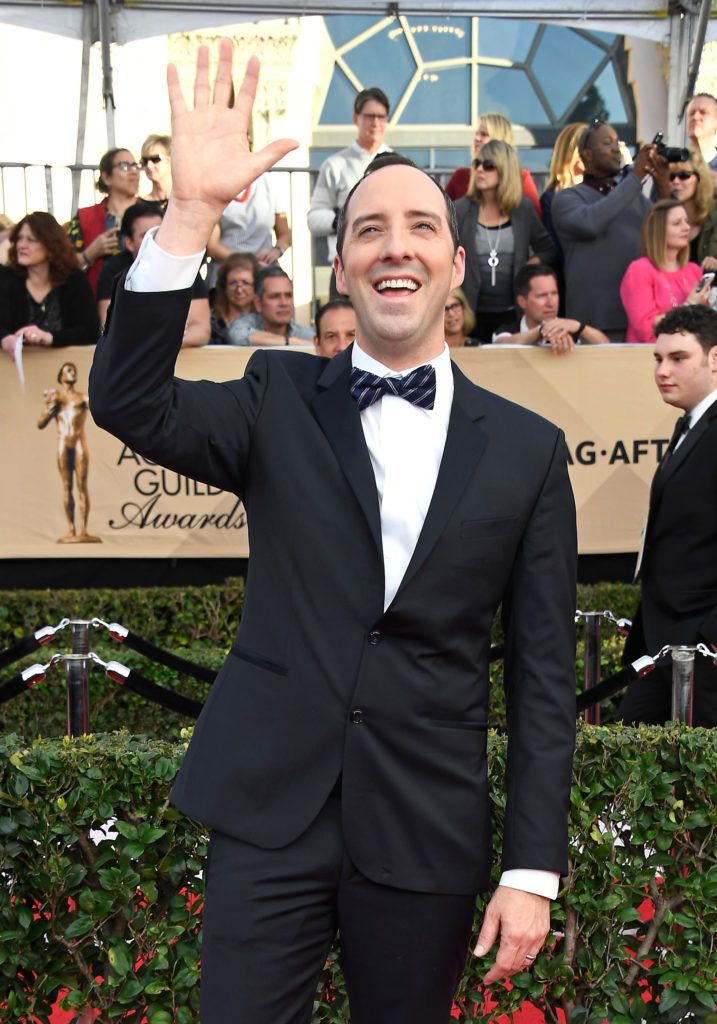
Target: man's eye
x,y
425,225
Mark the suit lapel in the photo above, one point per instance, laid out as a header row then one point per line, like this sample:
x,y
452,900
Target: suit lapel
x,y
678,457
340,420
465,443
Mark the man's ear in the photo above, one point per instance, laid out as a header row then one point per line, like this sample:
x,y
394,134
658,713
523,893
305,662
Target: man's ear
x,y
257,303
522,301
340,277
712,359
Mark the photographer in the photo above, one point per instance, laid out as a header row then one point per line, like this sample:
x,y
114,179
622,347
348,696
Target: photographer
x,y
598,224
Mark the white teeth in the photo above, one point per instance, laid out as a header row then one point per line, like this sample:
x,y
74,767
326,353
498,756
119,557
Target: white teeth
x,y
397,282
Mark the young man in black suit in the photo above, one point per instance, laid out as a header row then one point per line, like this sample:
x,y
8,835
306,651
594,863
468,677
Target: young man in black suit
x,y
340,758
678,567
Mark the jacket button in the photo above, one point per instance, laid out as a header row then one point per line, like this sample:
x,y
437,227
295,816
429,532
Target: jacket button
x,y
374,637
357,716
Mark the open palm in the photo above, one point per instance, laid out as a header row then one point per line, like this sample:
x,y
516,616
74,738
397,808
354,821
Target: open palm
x,y
211,159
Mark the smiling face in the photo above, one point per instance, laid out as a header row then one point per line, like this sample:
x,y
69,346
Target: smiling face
x,y
677,229
684,372
453,316
29,250
240,290
398,264
124,177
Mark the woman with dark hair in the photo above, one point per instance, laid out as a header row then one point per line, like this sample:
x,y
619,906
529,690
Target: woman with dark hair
x,y
94,229
663,277
234,294
500,232
43,295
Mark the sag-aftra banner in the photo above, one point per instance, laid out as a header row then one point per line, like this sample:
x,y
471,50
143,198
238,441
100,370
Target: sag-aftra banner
x,y
71,490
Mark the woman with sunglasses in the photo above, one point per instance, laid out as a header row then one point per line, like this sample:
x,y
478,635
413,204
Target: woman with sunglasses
x,y
43,296
690,182
94,230
491,127
234,294
500,232
663,277
458,320
156,164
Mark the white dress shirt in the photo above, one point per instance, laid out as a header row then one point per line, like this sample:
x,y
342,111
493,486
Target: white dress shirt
x,y
699,410
405,444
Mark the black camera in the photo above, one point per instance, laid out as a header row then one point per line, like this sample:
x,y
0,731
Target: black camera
x,y
673,154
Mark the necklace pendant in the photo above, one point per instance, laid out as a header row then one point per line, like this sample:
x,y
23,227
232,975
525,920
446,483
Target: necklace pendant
x,y
493,262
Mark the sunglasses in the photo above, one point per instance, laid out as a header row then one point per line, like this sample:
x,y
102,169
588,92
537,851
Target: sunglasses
x,y
682,175
487,165
151,159
127,165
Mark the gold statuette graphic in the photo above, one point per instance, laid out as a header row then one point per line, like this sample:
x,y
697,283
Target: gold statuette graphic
x,y
69,409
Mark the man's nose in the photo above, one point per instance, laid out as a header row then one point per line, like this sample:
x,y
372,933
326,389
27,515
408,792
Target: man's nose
x,y
397,244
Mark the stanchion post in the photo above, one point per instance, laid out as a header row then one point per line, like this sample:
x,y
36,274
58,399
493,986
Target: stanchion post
x,y
77,670
683,683
592,670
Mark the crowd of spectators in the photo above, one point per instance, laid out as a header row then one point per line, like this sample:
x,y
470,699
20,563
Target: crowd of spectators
x,y
607,249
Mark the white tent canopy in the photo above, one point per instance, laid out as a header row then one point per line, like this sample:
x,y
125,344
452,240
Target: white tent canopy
x,y
649,19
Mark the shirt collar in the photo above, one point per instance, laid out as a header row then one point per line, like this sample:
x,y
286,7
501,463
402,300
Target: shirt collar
x,y
702,407
441,363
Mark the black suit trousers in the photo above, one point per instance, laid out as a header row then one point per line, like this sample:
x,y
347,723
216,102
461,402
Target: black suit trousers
x,y
270,917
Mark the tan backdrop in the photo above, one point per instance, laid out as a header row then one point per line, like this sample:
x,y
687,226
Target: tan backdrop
x,y
604,398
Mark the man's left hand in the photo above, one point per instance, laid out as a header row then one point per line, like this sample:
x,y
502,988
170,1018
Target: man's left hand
x,y
523,921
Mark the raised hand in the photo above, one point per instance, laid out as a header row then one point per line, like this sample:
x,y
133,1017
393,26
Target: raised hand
x,y
211,159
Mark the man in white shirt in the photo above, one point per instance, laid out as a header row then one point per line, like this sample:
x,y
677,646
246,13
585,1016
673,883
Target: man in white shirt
x,y
702,129
340,759
678,567
340,172
538,298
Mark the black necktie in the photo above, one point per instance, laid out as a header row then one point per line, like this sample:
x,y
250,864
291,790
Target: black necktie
x,y
681,428
418,387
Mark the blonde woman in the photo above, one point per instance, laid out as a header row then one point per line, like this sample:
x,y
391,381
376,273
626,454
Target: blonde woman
x,y
663,277
500,232
566,168
690,182
491,127
458,320
156,164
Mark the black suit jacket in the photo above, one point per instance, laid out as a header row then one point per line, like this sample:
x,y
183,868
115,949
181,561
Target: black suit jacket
x,y
679,567
320,680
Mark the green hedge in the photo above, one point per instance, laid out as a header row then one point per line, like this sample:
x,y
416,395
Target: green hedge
x,y
198,623
116,923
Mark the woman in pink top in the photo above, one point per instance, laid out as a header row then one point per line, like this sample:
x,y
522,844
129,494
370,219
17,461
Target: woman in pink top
x,y
663,277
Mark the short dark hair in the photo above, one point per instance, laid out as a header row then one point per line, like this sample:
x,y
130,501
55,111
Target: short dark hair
x,y
390,160
700,321
372,93
341,303
144,208
274,270
524,277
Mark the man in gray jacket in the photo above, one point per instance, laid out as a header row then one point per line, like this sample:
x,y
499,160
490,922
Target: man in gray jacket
x,y
598,225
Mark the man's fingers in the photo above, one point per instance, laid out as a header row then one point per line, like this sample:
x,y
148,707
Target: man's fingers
x,y
247,91
270,155
177,103
223,81
488,933
201,81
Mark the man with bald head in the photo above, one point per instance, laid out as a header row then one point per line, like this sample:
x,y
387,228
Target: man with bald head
x,y
340,759
598,224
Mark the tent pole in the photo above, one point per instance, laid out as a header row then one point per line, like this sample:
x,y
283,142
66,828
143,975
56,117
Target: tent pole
x,y
103,12
680,25
697,49
87,35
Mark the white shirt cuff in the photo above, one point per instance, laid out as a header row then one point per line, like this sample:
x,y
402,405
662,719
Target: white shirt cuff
x,y
542,883
155,270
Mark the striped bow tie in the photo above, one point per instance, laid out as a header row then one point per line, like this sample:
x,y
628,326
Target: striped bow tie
x,y
418,387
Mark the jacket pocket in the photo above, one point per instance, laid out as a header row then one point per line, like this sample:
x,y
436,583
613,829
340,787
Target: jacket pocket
x,y
451,723
244,654
496,527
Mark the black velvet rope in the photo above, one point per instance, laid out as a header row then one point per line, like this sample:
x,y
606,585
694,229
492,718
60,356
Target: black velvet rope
x,y
144,687
12,688
18,650
187,668
606,688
